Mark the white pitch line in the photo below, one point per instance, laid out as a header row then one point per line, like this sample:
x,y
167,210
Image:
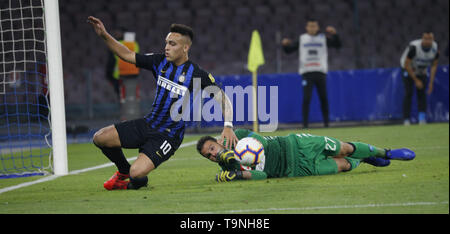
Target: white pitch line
x,y
129,159
325,207
52,177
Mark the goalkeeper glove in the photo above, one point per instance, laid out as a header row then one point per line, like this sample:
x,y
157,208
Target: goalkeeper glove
x,y
226,176
226,157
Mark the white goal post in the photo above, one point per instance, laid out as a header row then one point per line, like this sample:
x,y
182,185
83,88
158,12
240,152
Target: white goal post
x,y
56,87
32,111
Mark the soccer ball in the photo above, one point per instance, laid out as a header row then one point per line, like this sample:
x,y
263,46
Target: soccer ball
x,y
249,152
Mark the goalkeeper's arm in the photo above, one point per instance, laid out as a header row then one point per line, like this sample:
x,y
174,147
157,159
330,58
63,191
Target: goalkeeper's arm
x,y
231,169
227,176
116,47
227,160
226,157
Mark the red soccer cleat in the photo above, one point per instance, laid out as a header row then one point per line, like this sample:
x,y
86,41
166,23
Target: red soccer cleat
x,y
117,181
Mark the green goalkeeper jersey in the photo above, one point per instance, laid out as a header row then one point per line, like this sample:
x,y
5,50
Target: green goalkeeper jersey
x,y
279,159
293,155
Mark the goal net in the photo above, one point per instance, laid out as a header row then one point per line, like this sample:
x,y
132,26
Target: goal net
x,y
25,124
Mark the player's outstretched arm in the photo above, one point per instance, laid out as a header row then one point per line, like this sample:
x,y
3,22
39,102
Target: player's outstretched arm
x,y
116,47
289,46
227,176
227,110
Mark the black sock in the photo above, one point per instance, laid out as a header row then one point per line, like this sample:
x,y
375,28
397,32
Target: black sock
x,y
117,157
137,183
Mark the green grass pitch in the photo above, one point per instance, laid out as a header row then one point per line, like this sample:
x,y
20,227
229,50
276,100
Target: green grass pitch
x,y
185,183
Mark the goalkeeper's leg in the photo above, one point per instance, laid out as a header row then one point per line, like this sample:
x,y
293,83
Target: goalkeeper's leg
x,y
374,155
363,150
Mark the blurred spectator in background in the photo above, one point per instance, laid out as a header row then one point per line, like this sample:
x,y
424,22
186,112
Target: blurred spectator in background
x,y
313,63
43,96
415,61
124,77
112,68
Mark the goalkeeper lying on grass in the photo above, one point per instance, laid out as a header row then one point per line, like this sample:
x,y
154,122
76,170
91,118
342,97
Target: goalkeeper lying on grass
x,y
298,155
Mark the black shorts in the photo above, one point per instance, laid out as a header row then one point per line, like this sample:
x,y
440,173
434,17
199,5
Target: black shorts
x,y
137,134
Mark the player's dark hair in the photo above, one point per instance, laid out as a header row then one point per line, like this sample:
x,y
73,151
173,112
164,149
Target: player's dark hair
x,y
202,141
312,19
183,30
428,32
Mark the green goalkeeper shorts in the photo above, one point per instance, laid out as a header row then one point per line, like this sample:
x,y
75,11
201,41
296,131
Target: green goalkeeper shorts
x,y
312,155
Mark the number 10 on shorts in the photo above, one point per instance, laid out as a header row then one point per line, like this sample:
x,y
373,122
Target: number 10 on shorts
x,y
165,147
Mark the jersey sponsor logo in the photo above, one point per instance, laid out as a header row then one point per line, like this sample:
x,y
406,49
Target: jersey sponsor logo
x,y
171,86
424,60
312,65
313,52
313,44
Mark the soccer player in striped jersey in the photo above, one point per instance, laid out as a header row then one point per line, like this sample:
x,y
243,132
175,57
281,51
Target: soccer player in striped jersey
x,y
159,134
298,155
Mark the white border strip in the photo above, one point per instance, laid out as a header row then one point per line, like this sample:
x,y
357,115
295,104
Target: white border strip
x,y
52,177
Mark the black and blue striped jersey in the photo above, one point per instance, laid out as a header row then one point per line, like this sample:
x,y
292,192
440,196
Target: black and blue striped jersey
x,y
174,85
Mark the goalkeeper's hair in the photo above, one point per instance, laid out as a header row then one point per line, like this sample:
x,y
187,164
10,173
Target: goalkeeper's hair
x,y
202,141
183,30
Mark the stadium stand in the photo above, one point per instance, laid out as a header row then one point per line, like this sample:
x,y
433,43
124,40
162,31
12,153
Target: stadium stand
x,y
374,37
